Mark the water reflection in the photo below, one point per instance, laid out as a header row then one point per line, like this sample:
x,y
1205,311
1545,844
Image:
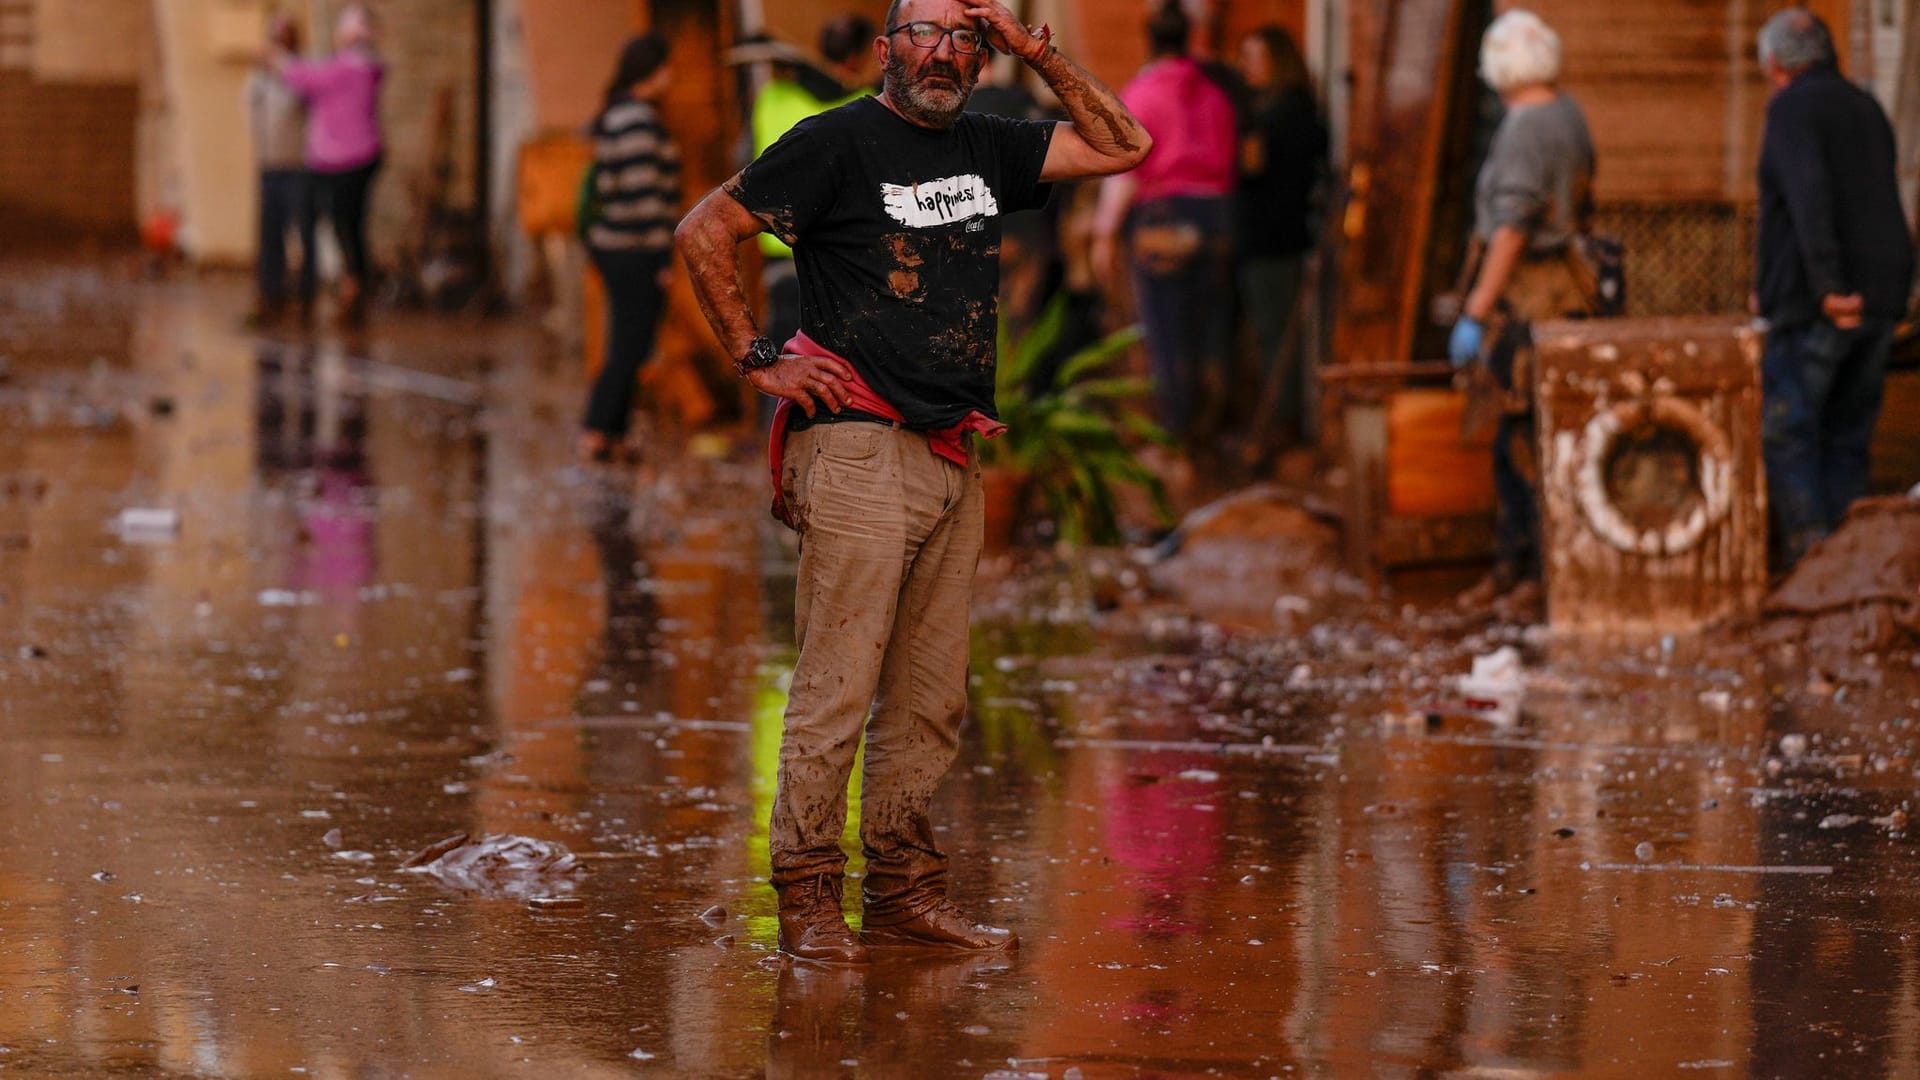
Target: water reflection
x,y
393,611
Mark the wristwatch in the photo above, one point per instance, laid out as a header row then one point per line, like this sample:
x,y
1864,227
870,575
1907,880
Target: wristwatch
x,y
762,353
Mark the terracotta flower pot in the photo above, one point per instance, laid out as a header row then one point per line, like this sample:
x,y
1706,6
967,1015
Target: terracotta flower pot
x,y
1004,489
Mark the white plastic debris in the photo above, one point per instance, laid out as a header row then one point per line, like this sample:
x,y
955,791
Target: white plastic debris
x,y
1495,685
147,524
1793,747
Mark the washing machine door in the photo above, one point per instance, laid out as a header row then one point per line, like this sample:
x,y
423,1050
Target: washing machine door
x,y
1655,475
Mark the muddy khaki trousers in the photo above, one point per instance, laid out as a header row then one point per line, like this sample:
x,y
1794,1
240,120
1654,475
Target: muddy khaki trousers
x,y
890,539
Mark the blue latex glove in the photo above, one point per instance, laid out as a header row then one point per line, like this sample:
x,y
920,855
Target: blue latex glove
x,y
1463,347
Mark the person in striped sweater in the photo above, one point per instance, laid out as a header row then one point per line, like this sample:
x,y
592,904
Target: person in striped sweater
x,y
636,204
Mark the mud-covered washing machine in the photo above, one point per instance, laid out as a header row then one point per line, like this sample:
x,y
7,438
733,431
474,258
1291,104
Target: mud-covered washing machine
x,y
1654,506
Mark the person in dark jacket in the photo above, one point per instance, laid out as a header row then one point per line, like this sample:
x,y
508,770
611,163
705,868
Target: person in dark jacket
x,y
1832,274
1283,154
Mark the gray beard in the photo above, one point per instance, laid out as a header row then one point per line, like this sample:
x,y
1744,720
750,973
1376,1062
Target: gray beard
x,y
934,108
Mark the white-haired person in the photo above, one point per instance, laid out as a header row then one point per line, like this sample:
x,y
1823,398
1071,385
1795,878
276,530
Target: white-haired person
x,y
1531,206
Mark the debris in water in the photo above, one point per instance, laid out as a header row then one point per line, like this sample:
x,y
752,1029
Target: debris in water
x,y
1711,868
1897,820
1495,674
1643,851
147,524
1793,747
103,876
555,903
499,864
333,839
1839,821
714,916
480,987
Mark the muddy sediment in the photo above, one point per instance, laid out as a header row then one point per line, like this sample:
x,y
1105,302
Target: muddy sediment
x,y
389,610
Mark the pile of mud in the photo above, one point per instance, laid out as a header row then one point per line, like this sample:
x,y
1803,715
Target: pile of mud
x,y
1262,557
1857,591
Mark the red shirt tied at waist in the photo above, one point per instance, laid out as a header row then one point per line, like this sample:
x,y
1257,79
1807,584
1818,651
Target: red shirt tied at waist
x,y
948,442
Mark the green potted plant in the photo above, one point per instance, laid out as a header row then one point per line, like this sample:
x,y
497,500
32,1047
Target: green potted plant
x,y
1071,436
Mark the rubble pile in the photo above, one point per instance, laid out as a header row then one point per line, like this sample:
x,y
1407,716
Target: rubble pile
x,y
1857,591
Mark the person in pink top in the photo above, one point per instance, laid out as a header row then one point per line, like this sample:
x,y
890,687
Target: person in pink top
x,y
344,147
1176,213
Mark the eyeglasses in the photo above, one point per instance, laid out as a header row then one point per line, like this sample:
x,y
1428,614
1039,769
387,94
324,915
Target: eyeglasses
x,y
927,35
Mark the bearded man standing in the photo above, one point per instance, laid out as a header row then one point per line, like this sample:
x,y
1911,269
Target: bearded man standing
x,y
892,205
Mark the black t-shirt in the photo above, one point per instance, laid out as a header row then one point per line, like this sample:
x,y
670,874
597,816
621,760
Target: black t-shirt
x,y
895,231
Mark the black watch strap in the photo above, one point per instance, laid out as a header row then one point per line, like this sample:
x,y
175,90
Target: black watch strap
x,y
761,353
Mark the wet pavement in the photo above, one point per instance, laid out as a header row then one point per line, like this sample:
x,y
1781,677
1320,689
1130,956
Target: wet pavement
x,y
364,603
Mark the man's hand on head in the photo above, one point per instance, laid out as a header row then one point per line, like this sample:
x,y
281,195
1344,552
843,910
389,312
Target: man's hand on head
x,y
807,381
1007,33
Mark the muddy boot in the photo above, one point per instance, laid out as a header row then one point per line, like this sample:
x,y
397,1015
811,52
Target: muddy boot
x,y
939,927
812,926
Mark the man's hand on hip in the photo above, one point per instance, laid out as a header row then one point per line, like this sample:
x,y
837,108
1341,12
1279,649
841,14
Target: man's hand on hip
x,y
807,381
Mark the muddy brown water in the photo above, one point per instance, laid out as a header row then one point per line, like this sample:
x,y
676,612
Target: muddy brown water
x,y
393,612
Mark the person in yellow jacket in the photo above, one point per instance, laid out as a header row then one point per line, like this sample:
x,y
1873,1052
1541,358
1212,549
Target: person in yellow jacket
x,y
795,92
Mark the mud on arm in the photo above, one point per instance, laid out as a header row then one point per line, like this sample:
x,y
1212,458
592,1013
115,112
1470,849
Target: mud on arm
x,y
1103,136
708,240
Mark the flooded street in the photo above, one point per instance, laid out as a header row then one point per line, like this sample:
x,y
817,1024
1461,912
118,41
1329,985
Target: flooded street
x,y
281,611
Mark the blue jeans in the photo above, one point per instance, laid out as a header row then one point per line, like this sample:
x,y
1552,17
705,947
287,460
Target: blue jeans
x,y
286,201
1183,283
1821,387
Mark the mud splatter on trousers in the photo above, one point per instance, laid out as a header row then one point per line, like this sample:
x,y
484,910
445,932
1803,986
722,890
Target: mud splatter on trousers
x,y
891,542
